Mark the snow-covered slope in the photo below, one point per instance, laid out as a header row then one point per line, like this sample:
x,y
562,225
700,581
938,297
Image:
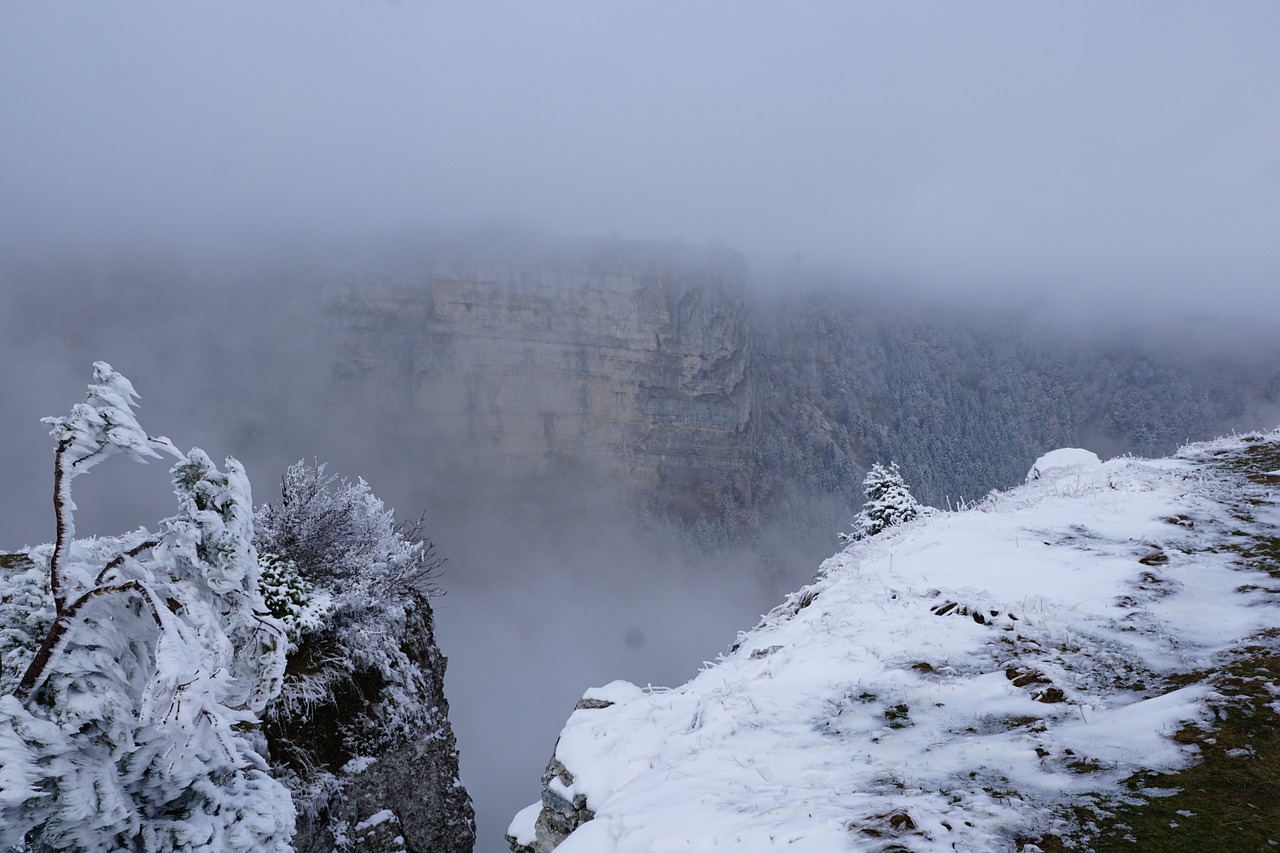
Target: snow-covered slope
x,y
948,684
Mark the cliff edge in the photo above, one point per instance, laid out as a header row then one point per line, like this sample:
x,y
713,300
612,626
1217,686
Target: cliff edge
x,y
1011,676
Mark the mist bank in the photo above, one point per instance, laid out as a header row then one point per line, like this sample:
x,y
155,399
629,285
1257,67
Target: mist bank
x,y
1090,148
701,383
666,436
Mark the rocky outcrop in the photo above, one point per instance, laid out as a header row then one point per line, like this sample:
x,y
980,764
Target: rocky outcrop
x,y
403,796
360,731
558,816
562,810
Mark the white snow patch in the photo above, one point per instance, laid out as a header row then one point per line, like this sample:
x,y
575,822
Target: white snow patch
x,y
522,826
614,691
359,764
376,819
1065,457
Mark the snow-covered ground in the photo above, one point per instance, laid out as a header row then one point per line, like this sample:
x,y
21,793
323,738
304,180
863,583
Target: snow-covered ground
x,y
946,684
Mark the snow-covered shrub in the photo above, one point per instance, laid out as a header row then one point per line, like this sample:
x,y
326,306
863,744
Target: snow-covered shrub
x,y
889,502
292,599
337,530
356,681
146,661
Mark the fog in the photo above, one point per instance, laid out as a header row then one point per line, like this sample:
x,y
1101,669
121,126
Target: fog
x,y
171,175
553,584
1094,147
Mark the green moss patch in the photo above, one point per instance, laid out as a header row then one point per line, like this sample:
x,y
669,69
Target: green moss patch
x,y
18,562
1230,800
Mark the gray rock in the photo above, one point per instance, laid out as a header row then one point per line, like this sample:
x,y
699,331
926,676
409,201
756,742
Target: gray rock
x,y
558,817
414,776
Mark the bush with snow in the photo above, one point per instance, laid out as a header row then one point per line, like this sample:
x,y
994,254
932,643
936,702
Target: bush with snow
x,y
354,584
292,599
136,668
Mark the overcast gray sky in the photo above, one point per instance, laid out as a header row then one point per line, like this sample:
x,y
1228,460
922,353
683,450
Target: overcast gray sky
x,y
1091,145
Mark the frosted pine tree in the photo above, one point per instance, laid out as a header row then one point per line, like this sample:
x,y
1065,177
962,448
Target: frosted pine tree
x,y
146,662
889,502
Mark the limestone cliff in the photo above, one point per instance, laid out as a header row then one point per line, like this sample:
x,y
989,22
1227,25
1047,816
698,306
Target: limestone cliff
x,y
630,364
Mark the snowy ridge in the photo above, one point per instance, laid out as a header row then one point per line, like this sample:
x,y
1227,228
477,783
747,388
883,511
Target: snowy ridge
x,y
944,685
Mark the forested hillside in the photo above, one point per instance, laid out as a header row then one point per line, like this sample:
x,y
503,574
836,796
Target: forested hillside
x,y
964,402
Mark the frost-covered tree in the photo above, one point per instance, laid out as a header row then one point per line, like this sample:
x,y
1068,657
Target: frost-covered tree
x,y
135,669
889,502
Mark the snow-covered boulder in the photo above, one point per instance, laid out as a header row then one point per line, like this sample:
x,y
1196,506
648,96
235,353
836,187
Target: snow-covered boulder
x,y
563,808
959,683
1064,457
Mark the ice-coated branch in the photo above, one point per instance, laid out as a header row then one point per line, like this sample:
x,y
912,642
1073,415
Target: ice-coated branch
x,y
62,623
66,526
141,733
119,560
102,425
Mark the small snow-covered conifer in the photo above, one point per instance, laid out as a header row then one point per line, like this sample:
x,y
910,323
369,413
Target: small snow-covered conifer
x,y
889,502
293,599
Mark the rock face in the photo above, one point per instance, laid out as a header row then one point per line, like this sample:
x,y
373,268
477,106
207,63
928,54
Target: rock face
x,y
629,364
408,799
360,731
558,815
